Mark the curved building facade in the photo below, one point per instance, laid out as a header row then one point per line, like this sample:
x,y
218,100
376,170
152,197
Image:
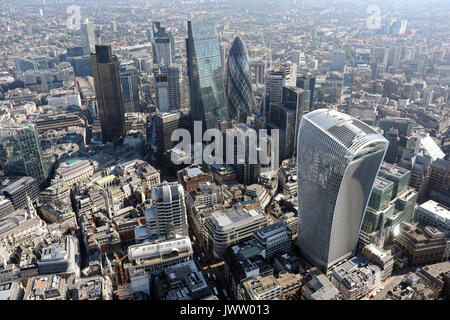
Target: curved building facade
x,y
239,79
338,159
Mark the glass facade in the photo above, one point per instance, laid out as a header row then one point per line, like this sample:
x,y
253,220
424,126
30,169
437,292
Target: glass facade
x,y
108,94
20,151
129,80
338,160
239,79
205,71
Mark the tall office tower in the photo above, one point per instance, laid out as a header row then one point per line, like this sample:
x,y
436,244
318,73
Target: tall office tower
x,y
258,71
88,38
293,98
169,208
162,94
173,85
286,117
163,126
105,68
205,70
394,56
274,88
307,83
239,79
21,152
129,80
338,161
163,45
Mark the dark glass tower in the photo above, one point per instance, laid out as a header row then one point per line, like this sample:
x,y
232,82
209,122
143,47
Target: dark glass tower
x,y
239,79
105,68
205,72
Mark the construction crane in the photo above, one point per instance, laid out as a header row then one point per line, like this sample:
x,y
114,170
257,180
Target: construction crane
x,y
119,261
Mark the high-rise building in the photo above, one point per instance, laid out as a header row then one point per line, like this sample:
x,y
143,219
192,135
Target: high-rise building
x,y
21,152
169,209
129,79
440,181
338,161
88,38
307,83
239,79
258,71
286,118
164,125
205,71
274,89
108,93
163,45
173,84
162,92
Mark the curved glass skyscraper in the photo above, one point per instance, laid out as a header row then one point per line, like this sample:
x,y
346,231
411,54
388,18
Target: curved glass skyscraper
x,y
338,160
239,79
205,71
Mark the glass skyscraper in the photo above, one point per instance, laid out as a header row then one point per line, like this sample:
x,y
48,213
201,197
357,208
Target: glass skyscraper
x,y
205,71
163,45
239,79
88,40
108,92
129,79
338,159
20,151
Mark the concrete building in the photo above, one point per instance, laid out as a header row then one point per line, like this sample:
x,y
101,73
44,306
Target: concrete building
x,y
184,281
421,246
93,288
227,227
60,258
160,254
17,191
434,214
48,287
259,193
262,288
356,278
275,239
170,209
316,286
193,176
